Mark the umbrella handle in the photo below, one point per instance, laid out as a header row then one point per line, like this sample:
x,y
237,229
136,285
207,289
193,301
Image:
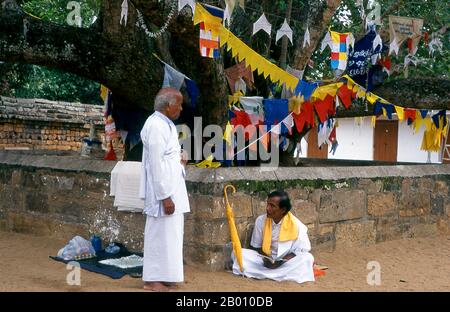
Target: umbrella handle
x,y
226,194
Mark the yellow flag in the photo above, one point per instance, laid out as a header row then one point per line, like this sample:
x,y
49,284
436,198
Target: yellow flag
x,y
374,121
227,136
372,98
322,91
103,93
400,112
208,163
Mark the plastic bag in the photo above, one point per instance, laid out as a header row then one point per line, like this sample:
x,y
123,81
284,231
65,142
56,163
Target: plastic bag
x,y
78,248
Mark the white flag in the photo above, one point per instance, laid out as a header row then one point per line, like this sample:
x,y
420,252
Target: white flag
x,y
285,30
124,12
307,38
262,24
183,3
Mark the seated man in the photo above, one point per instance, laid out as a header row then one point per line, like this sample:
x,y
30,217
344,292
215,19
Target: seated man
x,y
280,245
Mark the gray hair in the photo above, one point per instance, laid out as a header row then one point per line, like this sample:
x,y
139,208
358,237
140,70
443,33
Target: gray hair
x,y
162,100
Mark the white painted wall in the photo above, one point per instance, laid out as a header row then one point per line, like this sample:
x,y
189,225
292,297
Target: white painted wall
x,y
356,142
409,145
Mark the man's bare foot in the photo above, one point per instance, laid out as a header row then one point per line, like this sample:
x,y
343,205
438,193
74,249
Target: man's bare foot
x,y
170,285
155,286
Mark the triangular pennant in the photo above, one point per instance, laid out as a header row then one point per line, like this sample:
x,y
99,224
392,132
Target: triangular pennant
x,y
285,30
307,38
124,12
262,24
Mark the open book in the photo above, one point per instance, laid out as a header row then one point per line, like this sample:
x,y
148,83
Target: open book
x,y
272,260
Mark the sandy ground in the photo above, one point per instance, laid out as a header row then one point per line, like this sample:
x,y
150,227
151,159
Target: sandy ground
x,y
421,264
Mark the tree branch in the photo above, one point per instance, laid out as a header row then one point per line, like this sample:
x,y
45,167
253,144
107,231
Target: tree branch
x,y
321,17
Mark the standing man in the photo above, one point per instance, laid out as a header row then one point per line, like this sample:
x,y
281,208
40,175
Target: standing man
x,y
164,190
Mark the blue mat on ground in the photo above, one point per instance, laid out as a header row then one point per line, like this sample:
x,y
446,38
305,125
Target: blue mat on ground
x,y
93,265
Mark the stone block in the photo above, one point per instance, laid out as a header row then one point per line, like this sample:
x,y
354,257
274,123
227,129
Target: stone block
x,y
355,234
342,205
297,194
443,226
441,188
305,211
425,184
36,202
381,204
371,187
389,228
437,206
414,204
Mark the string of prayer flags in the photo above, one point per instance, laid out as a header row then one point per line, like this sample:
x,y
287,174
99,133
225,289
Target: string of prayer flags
x,y
305,89
307,38
209,45
410,115
366,50
253,106
346,95
424,113
210,19
285,30
183,3
287,93
340,45
393,46
385,109
385,62
404,28
262,24
124,12
327,90
243,52
275,111
440,117
325,108
324,131
193,91
400,111
174,79
435,44
305,118
227,135
237,72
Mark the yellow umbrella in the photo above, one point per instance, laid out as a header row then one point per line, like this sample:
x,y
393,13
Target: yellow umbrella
x,y
237,248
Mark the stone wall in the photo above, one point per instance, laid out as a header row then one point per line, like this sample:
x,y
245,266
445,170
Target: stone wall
x,y
342,206
37,124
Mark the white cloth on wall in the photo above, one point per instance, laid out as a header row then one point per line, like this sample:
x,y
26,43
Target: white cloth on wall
x,y
124,186
298,269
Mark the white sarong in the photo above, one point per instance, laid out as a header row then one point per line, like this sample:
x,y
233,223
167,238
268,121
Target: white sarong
x,y
163,249
298,269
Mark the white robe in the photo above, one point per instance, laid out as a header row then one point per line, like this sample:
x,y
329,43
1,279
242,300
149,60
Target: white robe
x,y
298,269
162,176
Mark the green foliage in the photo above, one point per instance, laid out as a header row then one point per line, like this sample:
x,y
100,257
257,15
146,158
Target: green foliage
x,y
29,81
57,11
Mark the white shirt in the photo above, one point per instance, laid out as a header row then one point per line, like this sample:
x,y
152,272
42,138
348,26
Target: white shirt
x,y
281,249
162,172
